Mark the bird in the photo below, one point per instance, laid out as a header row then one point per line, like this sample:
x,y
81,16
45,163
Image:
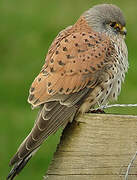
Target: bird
x,y
85,67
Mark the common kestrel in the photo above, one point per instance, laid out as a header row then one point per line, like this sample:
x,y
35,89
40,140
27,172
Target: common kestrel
x,y
84,67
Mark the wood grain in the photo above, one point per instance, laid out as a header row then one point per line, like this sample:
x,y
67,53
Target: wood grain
x,y
96,147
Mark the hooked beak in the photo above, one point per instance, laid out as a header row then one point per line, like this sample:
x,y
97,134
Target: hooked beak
x,y
123,31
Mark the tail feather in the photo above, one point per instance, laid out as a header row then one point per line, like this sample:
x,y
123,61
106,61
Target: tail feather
x,y
51,117
18,167
41,130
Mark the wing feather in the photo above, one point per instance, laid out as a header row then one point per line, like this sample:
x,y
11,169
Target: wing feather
x,y
74,62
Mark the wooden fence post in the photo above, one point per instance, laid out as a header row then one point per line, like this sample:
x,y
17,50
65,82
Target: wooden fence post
x,y
96,147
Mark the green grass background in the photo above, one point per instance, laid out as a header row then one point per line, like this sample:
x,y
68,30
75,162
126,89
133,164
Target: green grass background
x,y
27,28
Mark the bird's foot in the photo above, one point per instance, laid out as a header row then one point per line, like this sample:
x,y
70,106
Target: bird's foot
x,y
98,111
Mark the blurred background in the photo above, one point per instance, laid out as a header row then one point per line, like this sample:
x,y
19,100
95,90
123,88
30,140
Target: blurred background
x,y
26,31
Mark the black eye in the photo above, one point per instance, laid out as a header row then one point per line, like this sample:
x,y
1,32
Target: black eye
x,y
113,24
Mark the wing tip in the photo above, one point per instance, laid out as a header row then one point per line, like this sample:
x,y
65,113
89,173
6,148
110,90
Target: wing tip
x,y
33,105
35,102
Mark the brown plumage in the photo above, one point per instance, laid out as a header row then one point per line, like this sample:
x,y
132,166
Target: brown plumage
x,y
84,67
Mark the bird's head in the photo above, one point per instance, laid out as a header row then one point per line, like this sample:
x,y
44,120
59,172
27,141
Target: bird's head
x,y
106,18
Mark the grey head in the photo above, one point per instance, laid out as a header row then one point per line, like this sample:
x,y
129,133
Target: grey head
x,y
106,18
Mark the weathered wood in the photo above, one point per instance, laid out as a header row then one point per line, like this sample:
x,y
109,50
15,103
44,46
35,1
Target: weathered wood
x,y
97,147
